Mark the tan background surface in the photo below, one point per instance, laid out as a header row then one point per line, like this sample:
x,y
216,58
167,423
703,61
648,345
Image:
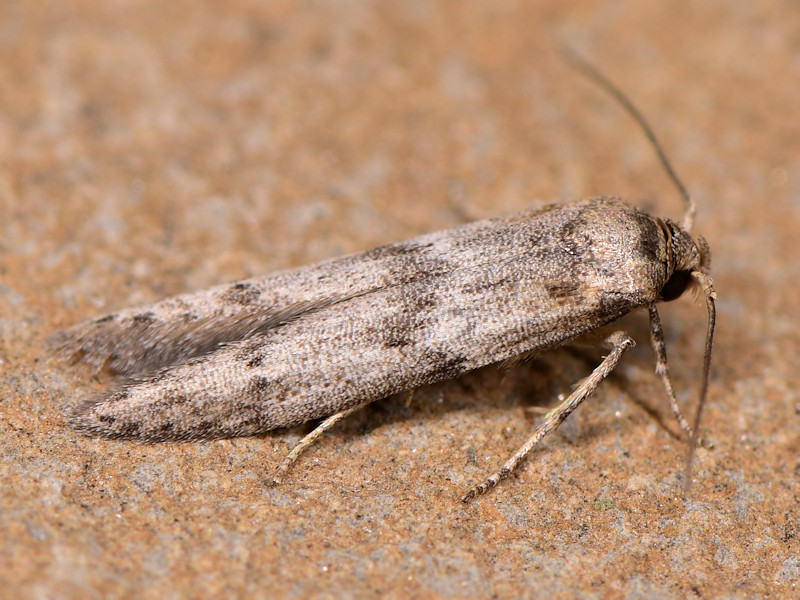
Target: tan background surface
x,y
148,150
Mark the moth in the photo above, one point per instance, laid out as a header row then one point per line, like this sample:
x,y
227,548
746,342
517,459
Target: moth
x,y
322,341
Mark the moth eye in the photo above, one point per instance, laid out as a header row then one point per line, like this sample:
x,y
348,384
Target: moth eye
x,y
676,285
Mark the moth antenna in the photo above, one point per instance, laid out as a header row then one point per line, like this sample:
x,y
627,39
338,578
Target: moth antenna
x,y
687,223
708,289
605,84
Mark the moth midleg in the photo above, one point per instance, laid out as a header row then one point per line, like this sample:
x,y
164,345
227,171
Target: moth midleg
x,y
660,355
309,439
618,342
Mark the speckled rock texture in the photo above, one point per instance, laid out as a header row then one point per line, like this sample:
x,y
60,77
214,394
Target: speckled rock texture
x,y
148,149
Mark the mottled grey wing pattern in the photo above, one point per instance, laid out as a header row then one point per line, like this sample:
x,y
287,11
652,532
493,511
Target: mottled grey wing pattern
x,y
387,320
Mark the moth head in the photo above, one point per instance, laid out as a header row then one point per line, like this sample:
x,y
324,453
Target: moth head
x,y
684,257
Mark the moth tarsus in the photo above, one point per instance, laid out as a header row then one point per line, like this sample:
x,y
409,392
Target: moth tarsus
x,y
320,342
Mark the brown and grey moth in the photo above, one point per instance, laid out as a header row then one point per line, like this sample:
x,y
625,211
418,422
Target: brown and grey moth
x,y
324,340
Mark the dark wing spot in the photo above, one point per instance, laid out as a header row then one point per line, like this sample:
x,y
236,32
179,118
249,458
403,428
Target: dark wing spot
x,y
259,385
445,366
395,341
398,330
120,429
105,319
165,429
562,289
242,293
144,318
255,360
420,300
106,418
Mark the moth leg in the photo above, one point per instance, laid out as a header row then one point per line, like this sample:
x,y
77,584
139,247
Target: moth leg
x,y
309,439
660,355
618,342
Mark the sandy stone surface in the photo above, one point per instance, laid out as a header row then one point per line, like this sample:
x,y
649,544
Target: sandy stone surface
x,y
151,148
